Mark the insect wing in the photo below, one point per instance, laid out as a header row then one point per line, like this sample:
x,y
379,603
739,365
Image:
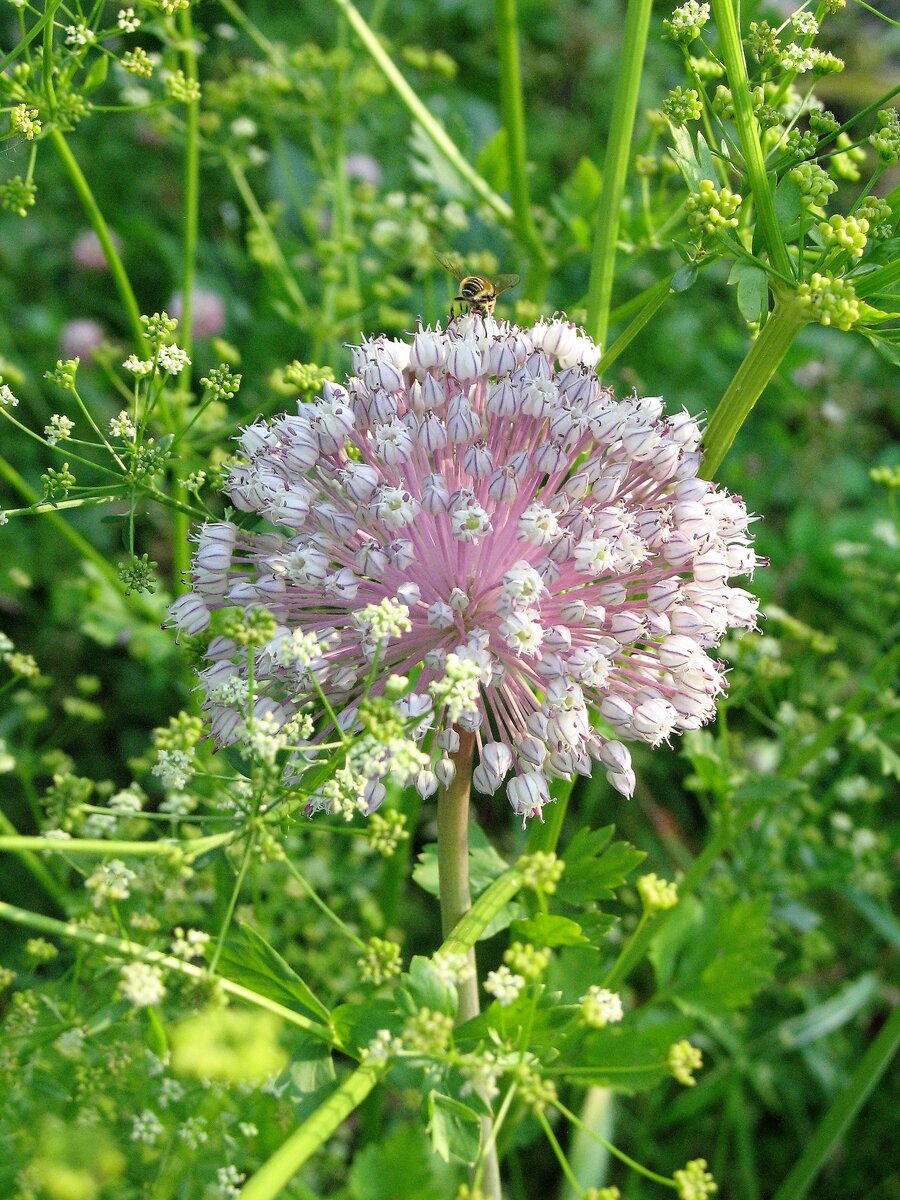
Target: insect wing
x,y
451,263
502,283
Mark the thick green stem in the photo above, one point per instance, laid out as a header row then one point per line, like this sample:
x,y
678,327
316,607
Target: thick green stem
x,y
764,359
99,226
456,902
615,167
453,860
513,108
836,1121
191,187
277,1172
732,52
431,127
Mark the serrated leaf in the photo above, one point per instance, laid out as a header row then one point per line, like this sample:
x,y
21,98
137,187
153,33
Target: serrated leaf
x,y
397,1163
454,1127
629,1056
685,157
714,957
546,929
248,959
595,867
576,201
788,200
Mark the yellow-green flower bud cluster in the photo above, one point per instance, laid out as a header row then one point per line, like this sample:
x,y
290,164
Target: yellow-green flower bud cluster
x,y
683,106
686,22
601,1007
712,209
683,1060
534,1090
815,185
886,137
850,233
541,871
830,301
428,1032
656,894
386,831
526,960
25,122
379,961
694,1182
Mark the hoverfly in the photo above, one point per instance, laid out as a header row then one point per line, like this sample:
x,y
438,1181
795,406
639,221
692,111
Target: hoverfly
x,y
476,291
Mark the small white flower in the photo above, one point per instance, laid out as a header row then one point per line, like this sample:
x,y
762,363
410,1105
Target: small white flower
x,y
601,1007
504,985
7,399
138,367
59,429
79,35
142,984
146,1128
127,21
173,359
122,427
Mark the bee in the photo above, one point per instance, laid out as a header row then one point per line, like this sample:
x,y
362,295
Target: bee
x,y
476,291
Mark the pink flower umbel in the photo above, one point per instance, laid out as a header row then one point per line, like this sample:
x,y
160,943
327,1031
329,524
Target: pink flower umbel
x,y
475,506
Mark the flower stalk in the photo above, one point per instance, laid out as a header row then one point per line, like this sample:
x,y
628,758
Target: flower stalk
x,y
732,53
615,168
453,861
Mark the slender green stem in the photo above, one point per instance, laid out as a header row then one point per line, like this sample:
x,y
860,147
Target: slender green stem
x,y
764,359
513,107
119,946
880,278
100,227
614,1150
656,297
615,167
837,1120
32,863
191,187
84,547
432,128
558,1152
732,53
104,847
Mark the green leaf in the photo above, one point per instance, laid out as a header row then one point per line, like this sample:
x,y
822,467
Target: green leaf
x,y
485,865
714,957
595,867
576,202
752,290
492,161
248,959
547,930
426,989
454,1127
312,1076
629,1056
705,159
685,277
96,76
396,1163
356,1024
788,200
824,1018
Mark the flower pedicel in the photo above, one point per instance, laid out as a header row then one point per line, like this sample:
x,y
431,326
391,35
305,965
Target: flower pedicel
x,y
475,503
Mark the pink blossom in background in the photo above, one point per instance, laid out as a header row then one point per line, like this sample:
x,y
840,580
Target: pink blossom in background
x,y
87,251
80,338
545,543
365,168
209,316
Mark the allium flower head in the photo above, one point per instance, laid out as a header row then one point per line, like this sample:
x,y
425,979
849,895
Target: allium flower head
x,y
547,552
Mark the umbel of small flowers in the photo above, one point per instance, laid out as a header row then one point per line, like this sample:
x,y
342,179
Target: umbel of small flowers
x,y
474,510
